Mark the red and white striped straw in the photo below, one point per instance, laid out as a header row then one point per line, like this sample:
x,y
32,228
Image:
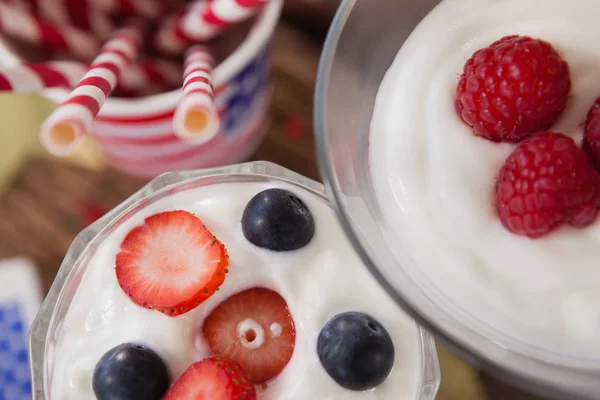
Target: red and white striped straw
x,y
64,128
196,118
23,4
150,9
139,79
204,21
34,77
150,77
82,14
21,24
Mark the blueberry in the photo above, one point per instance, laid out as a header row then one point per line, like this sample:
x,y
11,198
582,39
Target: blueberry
x,y
356,351
276,219
130,372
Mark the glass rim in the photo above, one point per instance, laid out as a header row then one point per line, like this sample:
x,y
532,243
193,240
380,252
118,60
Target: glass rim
x,y
40,329
515,367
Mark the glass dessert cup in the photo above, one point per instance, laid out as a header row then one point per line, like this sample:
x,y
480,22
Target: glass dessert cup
x,y
46,327
362,44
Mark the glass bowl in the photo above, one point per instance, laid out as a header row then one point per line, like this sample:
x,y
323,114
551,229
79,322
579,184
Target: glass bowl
x,y
45,328
363,41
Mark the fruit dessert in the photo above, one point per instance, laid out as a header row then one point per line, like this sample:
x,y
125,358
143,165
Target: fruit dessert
x,y
238,290
485,142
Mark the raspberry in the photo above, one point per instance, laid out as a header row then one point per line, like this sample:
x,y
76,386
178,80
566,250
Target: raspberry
x,y
516,87
546,182
591,138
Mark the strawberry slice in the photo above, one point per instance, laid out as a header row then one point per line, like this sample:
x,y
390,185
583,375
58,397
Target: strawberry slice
x,y
255,329
171,263
213,379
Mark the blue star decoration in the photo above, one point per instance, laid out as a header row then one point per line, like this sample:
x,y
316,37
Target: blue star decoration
x,y
15,376
247,87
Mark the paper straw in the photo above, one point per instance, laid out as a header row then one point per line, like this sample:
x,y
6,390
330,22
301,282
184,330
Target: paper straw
x,y
82,14
23,4
34,77
137,8
93,19
204,21
169,39
196,118
150,9
21,24
64,128
149,77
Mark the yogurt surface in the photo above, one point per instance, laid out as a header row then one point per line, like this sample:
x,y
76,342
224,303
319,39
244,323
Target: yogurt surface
x,y
434,179
318,281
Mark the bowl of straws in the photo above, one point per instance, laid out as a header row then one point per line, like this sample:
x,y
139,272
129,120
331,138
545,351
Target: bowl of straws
x,y
159,85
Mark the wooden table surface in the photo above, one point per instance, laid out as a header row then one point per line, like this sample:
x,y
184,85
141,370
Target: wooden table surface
x,y
40,212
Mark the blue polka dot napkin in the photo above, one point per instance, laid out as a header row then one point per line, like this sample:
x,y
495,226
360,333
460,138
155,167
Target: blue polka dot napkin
x,y
20,298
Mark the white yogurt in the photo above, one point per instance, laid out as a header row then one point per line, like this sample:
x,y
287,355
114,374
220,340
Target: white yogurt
x,y
434,180
318,281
